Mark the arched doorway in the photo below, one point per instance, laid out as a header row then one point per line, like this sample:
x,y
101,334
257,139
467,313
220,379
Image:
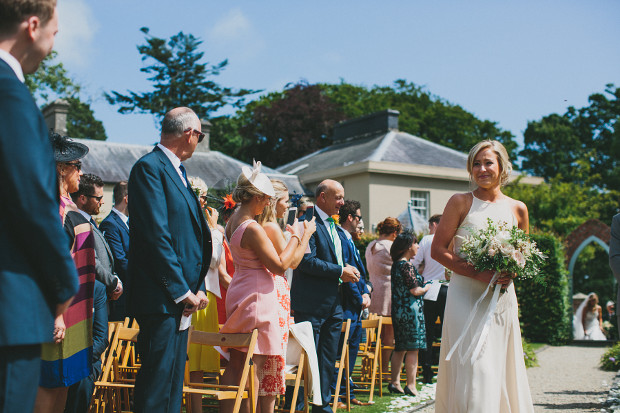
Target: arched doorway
x,y
590,231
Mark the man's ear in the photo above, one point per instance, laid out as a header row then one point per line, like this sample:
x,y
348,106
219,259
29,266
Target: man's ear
x,y
33,24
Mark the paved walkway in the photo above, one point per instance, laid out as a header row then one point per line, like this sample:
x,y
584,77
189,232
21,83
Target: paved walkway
x,y
568,380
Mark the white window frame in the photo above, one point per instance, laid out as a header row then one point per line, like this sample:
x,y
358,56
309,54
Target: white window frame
x,y
421,202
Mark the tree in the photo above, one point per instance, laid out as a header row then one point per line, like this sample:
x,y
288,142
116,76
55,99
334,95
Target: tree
x,y
421,113
51,81
580,146
81,122
301,119
179,79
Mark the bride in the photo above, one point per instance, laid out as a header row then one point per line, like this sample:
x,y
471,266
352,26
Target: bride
x,y
588,320
494,379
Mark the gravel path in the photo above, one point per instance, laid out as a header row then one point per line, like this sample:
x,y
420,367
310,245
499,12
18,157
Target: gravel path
x,y
568,381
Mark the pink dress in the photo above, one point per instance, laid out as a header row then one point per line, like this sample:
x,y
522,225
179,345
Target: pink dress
x,y
379,264
252,302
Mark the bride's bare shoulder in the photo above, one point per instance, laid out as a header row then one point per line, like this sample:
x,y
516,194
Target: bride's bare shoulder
x,y
460,201
519,207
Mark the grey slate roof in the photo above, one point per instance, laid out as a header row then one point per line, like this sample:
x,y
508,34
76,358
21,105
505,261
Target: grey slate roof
x,y
393,146
113,162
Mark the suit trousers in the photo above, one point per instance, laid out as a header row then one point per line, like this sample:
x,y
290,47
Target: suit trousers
x,y
326,331
355,338
432,310
20,368
163,352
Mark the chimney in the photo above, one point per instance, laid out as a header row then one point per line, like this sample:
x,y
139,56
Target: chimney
x,y
365,126
206,128
55,115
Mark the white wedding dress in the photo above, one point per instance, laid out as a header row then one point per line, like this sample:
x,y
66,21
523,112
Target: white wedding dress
x,y
496,381
592,330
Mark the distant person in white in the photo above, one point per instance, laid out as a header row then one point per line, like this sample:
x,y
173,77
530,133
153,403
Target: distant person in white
x,y
434,306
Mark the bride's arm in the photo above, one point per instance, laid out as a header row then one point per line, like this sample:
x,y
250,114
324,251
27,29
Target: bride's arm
x,y
453,215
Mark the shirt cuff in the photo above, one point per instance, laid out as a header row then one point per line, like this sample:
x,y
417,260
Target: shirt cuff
x,y
183,297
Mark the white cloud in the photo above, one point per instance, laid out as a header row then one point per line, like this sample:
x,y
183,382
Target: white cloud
x,y
235,33
76,29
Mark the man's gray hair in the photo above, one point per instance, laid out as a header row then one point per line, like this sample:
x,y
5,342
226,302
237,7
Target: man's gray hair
x,y
322,187
175,122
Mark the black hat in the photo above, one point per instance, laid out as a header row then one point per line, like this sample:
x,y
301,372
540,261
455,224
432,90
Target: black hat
x,y
66,150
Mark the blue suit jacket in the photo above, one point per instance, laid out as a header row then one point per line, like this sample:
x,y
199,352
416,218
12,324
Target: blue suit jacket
x,y
36,269
170,247
352,292
315,281
117,234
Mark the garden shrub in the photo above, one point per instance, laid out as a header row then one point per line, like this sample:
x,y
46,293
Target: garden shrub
x,y
545,310
610,360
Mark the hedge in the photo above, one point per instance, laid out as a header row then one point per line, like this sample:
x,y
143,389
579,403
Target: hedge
x,y
545,310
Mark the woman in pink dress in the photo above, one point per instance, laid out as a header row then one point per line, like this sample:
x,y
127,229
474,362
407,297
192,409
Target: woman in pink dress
x,y
252,299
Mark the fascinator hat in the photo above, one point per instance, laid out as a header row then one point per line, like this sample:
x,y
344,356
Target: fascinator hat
x,y
66,150
258,179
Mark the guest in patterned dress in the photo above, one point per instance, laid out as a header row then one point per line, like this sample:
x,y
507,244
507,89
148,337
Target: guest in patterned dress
x,y
407,312
68,359
276,208
252,299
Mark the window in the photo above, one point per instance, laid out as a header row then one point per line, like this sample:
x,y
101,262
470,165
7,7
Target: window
x,y
420,201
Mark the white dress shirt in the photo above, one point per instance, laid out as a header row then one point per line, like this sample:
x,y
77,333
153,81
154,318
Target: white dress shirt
x,y
13,64
176,162
432,269
122,216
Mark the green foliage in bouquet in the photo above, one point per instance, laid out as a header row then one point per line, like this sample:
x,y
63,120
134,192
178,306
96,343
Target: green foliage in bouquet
x,y
610,360
529,356
546,311
502,247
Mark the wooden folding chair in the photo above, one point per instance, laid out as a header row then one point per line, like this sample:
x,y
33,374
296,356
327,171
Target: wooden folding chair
x,y
343,366
370,354
114,379
387,321
221,391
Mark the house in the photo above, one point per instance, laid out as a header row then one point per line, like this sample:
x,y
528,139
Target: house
x,y
113,161
387,170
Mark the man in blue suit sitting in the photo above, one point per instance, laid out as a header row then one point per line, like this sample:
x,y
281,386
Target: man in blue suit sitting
x,y
355,296
315,291
37,275
169,255
115,228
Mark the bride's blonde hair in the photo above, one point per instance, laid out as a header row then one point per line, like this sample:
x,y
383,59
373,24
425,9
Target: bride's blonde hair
x,y
502,159
269,213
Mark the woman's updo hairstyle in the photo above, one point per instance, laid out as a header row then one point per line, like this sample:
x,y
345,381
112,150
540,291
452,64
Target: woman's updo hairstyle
x,y
244,190
502,159
389,226
402,243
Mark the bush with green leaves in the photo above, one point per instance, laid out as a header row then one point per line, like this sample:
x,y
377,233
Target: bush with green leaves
x,y
610,360
529,356
545,310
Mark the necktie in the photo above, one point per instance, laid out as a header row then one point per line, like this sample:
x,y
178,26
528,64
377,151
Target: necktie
x,y
92,221
335,240
182,168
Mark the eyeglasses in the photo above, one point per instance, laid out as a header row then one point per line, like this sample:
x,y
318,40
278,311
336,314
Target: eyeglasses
x,y
98,198
201,135
78,165
357,216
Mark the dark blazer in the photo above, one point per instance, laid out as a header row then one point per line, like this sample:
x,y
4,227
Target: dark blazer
x,y
117,235
315,281
352,292
104,262
36,269
170,247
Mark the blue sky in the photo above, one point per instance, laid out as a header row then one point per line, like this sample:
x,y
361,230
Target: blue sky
x,y
506,61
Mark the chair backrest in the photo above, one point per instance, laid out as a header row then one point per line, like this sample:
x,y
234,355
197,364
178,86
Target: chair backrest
x,y
232,340
118,347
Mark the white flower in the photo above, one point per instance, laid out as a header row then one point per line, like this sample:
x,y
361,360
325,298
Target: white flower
x,y
518,257
492,252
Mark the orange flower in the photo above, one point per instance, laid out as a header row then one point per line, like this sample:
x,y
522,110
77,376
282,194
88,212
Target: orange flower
x,y
229,203
336,219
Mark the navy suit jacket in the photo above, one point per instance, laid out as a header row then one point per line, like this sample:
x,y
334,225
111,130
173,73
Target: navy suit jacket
x,y
315,281
36,269
352,292
170,247
117,234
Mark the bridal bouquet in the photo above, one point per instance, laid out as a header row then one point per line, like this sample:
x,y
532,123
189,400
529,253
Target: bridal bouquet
x,y
503,248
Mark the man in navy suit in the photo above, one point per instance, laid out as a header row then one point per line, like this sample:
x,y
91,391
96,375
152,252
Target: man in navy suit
x,y
355,296
37,275
169,255
115,228
315,292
